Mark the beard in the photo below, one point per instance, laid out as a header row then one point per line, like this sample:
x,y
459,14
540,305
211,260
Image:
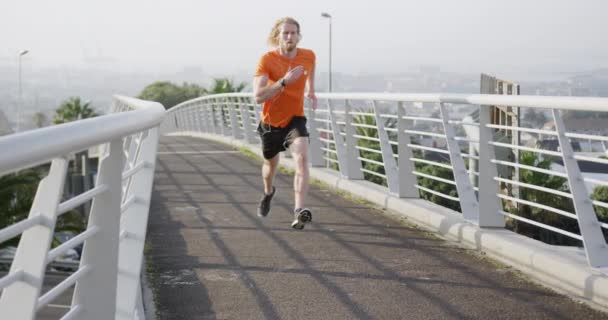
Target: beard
x,y
289,47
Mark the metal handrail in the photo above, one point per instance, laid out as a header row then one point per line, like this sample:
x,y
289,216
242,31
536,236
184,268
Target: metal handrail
x,y
336,136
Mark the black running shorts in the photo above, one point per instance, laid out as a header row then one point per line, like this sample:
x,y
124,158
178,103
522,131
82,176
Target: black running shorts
x,y
276,139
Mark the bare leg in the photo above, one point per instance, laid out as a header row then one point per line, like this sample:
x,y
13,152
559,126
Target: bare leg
x,y
269,169
299,151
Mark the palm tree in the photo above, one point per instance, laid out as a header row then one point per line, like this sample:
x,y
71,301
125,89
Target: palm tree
x,y
225,85
72,110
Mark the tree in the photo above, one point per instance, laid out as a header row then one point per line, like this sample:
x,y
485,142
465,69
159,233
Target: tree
x,y
540,215
17,191
169,94
40,119
600,193
73,109
225,85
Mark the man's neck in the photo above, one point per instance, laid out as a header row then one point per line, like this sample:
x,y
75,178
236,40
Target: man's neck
x,y
288,54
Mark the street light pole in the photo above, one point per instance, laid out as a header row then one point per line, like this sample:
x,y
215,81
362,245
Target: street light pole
x,y
20,98
328,16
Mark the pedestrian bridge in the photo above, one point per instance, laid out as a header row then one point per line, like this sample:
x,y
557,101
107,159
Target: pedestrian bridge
x,y
176,193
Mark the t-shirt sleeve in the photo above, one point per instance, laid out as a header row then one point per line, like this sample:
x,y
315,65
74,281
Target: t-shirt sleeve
x,y
262,68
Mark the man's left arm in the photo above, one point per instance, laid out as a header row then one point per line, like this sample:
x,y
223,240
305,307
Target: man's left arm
x,y
310,82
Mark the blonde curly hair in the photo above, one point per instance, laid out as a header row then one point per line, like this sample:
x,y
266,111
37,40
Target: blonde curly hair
x,y
273,38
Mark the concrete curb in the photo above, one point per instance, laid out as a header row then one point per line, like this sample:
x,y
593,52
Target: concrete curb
x,y
563,269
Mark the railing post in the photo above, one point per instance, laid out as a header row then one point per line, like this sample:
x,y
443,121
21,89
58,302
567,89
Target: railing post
x,y
388,158
188,118
593,239
234,121
246,118
19,301
407,180
466,193
354,164
197,116
222,115
316,154
211,118
96,293
489,203
204,117
134,221
340,147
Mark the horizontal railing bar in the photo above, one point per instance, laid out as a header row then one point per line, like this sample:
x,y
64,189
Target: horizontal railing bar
x,y
590,159
525,167
331,160
464,123
466,155
536,150
600,204
417,146
368,149
11,278
362,125
374,173
437,193
521,129
423,119
19,227
70,244
539,206
424,133
585,136
61,287
371,161
541,225
543,102
596,181
433,177
366,138
535,187
42,145
359,113
329,150
437,164
81,198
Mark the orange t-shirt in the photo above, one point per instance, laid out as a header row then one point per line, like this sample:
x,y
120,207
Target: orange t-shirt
x,y
279,110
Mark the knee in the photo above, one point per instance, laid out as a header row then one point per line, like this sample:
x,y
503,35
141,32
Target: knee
x,y
300,157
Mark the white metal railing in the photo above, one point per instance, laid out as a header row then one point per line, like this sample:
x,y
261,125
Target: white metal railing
x,y
106,283
394,130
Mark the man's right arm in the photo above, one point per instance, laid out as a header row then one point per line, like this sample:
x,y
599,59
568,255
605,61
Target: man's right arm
x,y
263,91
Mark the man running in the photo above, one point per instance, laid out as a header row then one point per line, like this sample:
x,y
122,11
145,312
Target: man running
x,y
281,78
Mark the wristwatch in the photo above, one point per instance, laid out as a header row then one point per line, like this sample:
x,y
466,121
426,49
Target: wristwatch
x,y
283,82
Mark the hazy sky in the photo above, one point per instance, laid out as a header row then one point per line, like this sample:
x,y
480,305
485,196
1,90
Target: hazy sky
x,y
228,36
